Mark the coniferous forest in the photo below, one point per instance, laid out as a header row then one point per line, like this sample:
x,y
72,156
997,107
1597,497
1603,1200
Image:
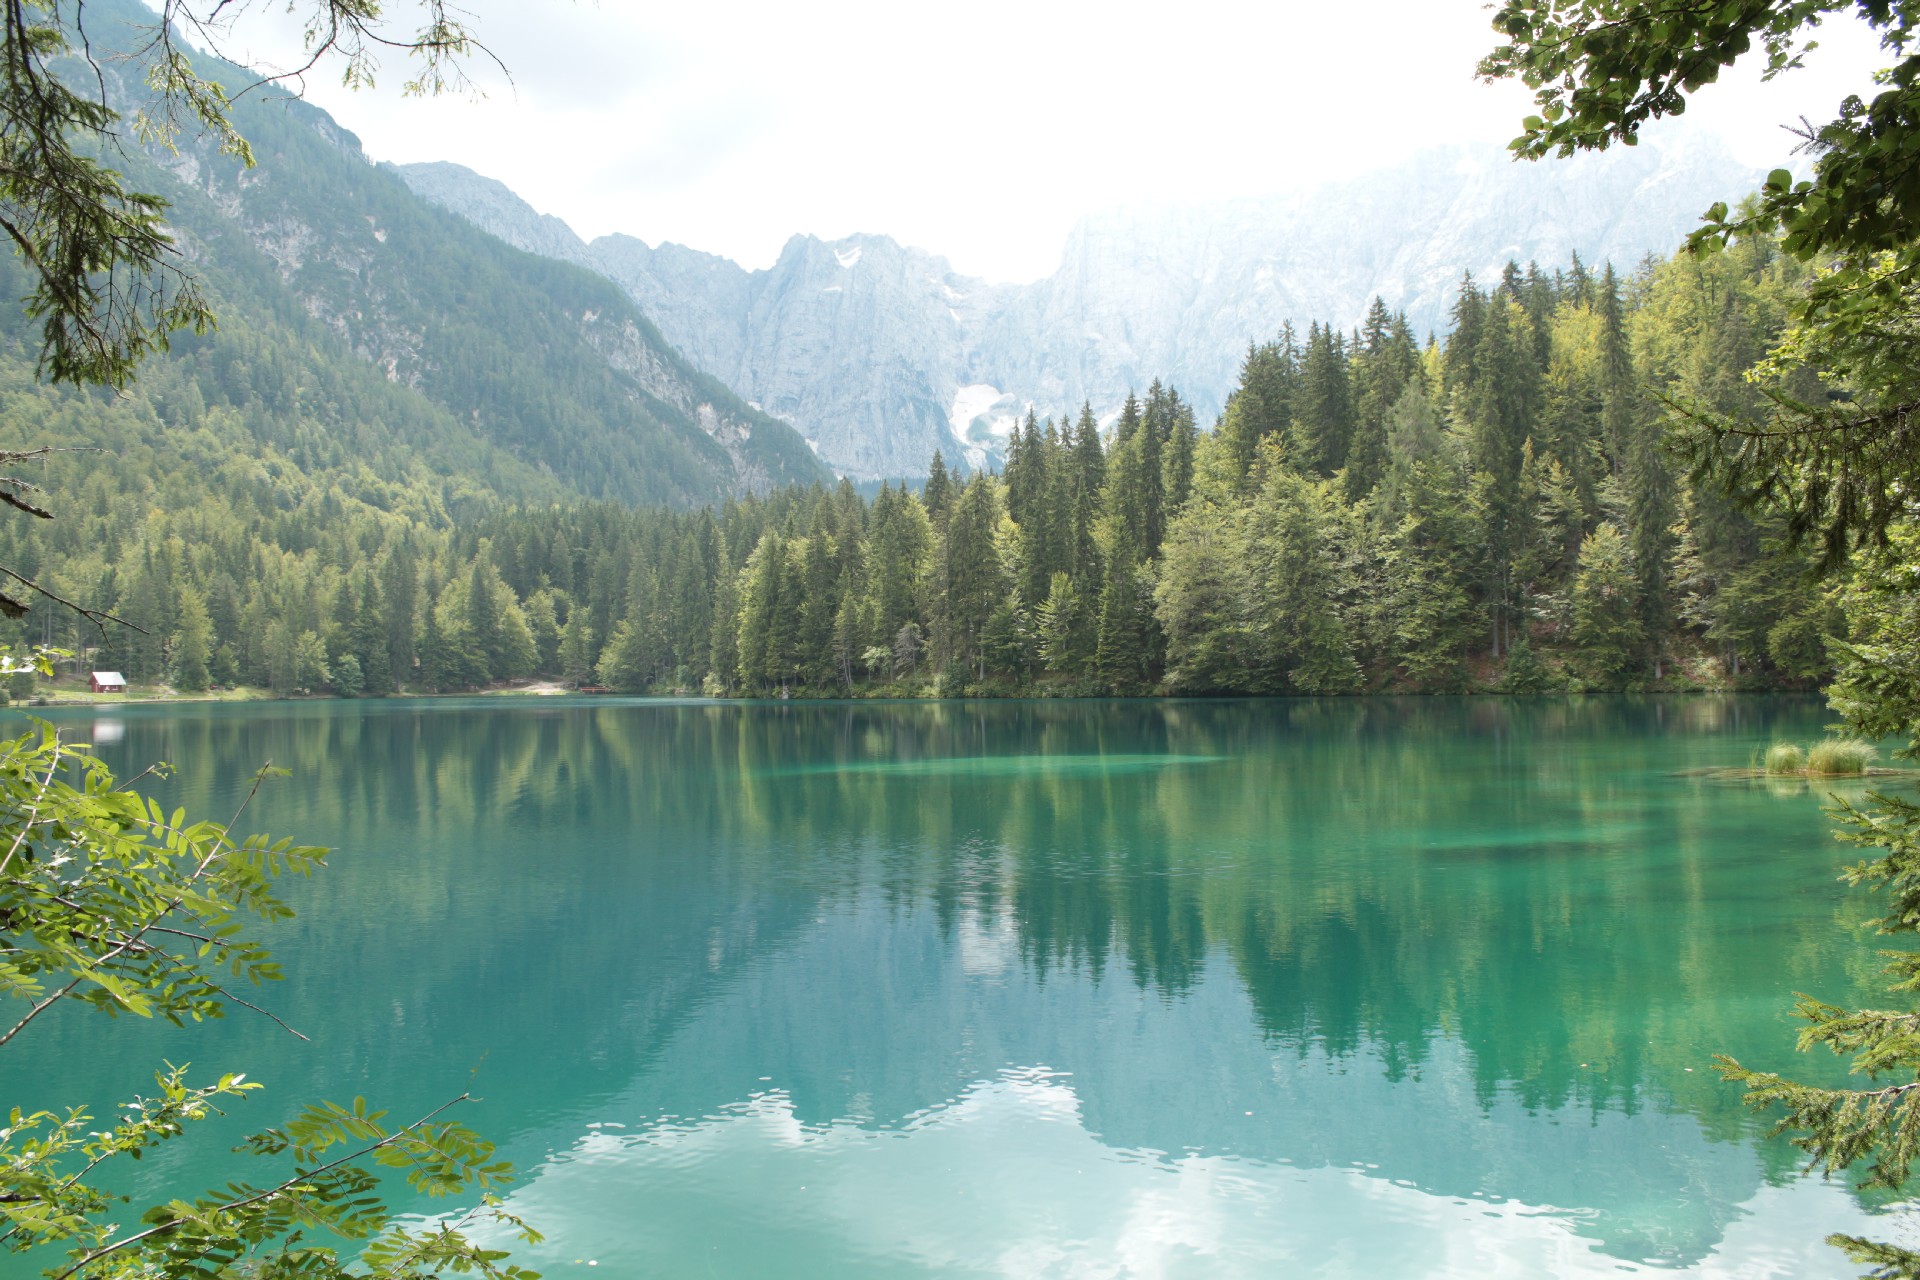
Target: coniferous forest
x,y
1495,509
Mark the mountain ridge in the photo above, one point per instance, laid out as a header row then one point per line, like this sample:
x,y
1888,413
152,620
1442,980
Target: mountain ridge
x,y
878,372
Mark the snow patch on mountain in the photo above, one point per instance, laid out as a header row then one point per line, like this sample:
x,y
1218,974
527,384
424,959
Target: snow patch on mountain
x,y
981,420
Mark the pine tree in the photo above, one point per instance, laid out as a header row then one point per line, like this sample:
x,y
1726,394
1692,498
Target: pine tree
x,y
1432,550
1149,449
1128,643
1262,406
482,618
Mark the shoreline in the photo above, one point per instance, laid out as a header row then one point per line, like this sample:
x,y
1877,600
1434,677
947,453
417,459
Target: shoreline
x,y
70,701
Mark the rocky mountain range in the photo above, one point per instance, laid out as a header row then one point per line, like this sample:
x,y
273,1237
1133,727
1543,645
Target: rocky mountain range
x,y
529,375
880,353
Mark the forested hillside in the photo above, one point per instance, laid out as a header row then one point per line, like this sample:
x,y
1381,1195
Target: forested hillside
x,y
506,373
1499,511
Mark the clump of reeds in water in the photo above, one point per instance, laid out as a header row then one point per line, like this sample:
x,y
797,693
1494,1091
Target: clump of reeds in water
x,y
1788,764
1838,757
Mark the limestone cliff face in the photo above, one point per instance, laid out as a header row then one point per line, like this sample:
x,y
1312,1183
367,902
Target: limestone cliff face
x,y
861,343
879,353
1177,291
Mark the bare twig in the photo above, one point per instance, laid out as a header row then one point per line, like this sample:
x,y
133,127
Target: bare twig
x,y
98,617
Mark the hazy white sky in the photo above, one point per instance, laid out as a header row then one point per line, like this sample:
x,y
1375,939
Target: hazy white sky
x,y
980,131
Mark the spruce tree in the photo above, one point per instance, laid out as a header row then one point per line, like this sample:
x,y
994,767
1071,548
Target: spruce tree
x,y
1182,438
193,642
938,491
1470,309
1619,395
723,643
1387,362
1149,450
1087,474
368,638
1203,601
1606,619
577,654
1043,539
1061,626
820,603
1124,645
1500,410
1023,473
1302,645
765,642
1323,419
973,583
399,589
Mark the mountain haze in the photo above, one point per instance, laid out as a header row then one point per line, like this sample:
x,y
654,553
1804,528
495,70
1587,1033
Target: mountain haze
x,y
880,353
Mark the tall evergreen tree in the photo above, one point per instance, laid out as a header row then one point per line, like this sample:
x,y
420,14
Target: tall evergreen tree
x,y
972,580
1500,410
1182,436
1323,422
939,489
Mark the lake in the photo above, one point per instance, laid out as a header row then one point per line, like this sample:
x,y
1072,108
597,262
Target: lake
x,y
1421,987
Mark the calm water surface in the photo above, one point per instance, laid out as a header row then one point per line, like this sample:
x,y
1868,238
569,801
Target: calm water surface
x,y
1423,988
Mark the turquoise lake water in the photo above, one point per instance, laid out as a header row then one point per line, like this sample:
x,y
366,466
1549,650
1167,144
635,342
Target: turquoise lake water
x,y
1423,987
